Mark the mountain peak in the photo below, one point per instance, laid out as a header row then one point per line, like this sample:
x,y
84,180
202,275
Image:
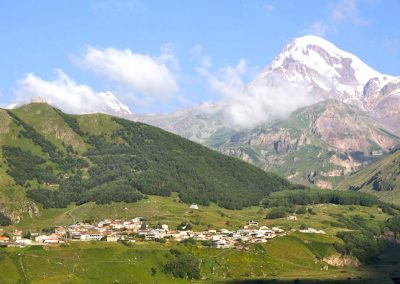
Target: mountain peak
x,y
331,73
325,58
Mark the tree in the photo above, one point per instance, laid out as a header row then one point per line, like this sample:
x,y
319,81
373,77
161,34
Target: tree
x,y
303,227
183,266
4,220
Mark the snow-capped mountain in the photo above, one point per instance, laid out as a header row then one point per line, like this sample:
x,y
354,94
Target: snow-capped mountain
x,y
105,102
114,106
330,72
347,124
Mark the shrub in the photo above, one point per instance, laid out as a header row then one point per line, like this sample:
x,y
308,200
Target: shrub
x,y
276,213
183,266
4,220
303,227
301,210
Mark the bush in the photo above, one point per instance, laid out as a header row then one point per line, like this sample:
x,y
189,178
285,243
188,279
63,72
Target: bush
x,y
301,210
394,225
184,226
276,213
4,220
303,227
183,266
311,211
362,245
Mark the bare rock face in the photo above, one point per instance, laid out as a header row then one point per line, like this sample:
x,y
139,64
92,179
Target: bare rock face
x,y
338,260
15,211
346,130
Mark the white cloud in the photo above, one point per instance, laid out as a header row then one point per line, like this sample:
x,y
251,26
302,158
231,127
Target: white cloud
x,y
346,11
340,13
198,54
318,28
149,78
69,96
248,105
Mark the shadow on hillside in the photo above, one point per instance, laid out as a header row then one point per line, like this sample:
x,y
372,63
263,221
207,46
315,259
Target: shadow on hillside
x,y
377,272
307,281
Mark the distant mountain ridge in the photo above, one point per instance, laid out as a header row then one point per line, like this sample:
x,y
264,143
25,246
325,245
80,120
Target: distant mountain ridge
x,y
358,123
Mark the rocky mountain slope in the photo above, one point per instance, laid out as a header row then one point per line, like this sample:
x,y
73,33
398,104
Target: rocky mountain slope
x,y
353,117
381,178
317,145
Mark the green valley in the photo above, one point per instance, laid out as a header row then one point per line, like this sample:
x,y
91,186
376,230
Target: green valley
x,y
59,170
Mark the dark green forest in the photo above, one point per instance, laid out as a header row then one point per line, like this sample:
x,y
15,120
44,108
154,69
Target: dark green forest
x,y
288,198
145,160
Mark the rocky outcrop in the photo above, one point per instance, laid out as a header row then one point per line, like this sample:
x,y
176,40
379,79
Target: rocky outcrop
x,y
15,210
338,260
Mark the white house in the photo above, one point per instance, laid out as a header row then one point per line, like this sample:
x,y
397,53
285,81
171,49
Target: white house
x,y
91,236
24,241
112,238
194,206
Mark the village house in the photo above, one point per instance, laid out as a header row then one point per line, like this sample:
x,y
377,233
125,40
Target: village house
x,y
4,239
112,238
60,230
23,241
48,239
114,230
194,206
91,236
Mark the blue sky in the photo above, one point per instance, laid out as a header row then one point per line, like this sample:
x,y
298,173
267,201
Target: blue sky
x,y
172,39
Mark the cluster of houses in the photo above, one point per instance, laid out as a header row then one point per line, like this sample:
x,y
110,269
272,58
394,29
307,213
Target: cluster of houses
x,y
136,228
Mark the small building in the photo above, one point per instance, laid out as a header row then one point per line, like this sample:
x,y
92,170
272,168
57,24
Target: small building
x,y
194,206
112,238
221,243
4,239
253,223
60,230
91,236
23,241
292,218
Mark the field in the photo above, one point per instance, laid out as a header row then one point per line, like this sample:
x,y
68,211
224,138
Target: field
x,y
296,256
293,257
171,211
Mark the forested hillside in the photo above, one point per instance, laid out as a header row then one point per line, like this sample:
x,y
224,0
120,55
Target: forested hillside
x,y
58,159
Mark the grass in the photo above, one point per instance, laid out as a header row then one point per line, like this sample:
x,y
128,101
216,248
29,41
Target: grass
x,y
296,256
386,169
286,257
170,210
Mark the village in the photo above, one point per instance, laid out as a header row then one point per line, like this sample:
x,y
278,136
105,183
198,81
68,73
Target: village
x,y
137,229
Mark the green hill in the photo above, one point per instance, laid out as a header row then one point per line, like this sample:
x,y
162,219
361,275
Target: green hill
x,y
381,178
55,159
